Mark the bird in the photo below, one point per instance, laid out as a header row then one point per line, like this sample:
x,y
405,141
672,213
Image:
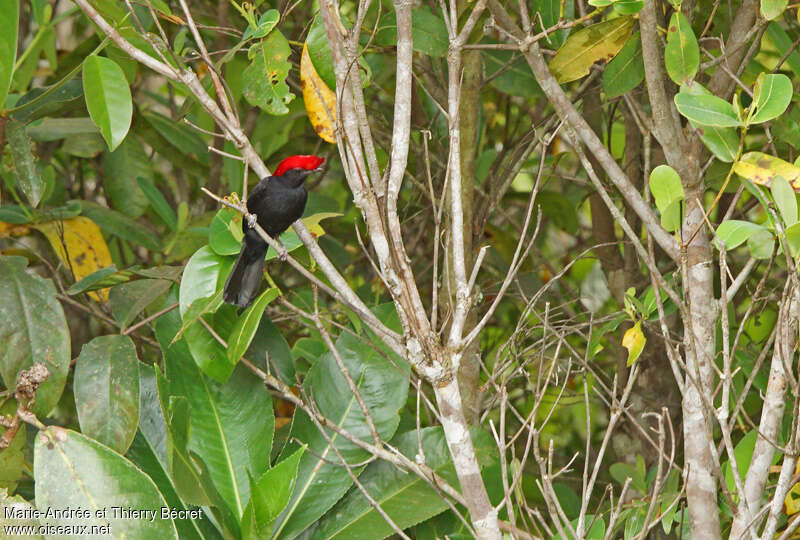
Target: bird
x,y
275,203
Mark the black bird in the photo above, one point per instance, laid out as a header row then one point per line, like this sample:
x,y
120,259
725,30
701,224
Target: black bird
x,y
276,202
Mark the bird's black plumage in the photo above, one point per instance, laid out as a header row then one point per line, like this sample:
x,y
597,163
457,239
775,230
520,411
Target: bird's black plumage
x,y
277,202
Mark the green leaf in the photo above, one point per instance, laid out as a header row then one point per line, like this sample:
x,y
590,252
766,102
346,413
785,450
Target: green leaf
x,y
200,307
628,7
682,54
62,97
515,76
225,233
601,41
268,20
785,200
204,274
771,95
106,391
32,329
382,381
706,110
666,186
108,98
671,216
245,328
761,244
762,169
53,129
406,498
782,42
113,222
232,424
320,52
269,496
128,300
178,135
626,70
634,342
793,239
428,33
772,9
734,232
29,179
121,168
9,22
723,142
89,281
264,79
159,203
73,471
550,12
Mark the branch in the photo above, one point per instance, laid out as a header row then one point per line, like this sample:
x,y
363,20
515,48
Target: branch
x,y
567,111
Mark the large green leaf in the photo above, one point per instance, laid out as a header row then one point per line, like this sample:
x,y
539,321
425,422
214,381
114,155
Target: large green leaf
x,y
29,178
601,41
245,328
121,168
771,96
382,381
706,110
108,98
204,274
428,33
32,329
269,496
404,496
734,232
232,424
9,22
626,70
106,391
73,471
682,54
128,300
265,78
550,12
667,190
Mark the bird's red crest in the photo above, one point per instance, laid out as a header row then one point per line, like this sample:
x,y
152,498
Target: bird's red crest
x,y
298,162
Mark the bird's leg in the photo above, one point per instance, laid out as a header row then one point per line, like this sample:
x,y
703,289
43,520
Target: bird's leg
x,y
283,252
252,219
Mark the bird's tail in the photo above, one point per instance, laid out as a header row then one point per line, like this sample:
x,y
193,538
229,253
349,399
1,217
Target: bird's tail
x,y
245,278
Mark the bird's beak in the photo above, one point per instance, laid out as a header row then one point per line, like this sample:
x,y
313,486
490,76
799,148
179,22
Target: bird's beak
x,y
319,169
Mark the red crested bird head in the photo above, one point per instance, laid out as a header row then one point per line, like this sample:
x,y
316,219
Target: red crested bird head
x,y
308,163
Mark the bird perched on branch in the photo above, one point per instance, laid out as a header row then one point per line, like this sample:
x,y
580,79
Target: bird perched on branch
x,y
275,203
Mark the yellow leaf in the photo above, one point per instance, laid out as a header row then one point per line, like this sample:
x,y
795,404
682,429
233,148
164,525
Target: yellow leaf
x,y
319,99
601,41
80,246
792,501
11,229
312,222
634,341
762,168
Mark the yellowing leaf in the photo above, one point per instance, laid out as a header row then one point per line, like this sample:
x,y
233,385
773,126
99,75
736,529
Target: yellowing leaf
x,y
792,501
601,41
761,168
634,341
12,229
319,99
79,244
312,222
